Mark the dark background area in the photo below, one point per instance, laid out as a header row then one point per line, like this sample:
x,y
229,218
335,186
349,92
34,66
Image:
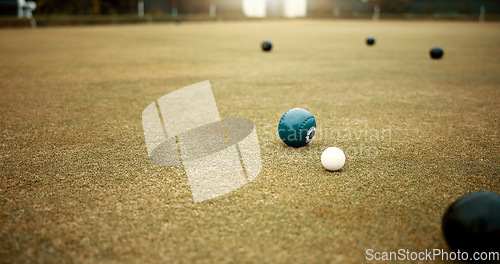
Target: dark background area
x,y
315,7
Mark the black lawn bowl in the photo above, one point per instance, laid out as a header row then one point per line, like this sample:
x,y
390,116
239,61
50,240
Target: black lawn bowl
x,y
437,53
370,41
267,45
472,223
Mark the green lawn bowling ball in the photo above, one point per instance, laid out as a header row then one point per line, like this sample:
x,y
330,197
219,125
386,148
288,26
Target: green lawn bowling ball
x,y
436,53
267,45
370,41
297,127
472,223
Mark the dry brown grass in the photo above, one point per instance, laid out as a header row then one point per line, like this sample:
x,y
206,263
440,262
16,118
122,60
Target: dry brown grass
x,y
77,185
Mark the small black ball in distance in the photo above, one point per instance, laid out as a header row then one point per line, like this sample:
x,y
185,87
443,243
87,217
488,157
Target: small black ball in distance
x,y
472,223
437,53
370,41
267,45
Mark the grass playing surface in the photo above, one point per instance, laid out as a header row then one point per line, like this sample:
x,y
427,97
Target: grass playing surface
x,y
77,185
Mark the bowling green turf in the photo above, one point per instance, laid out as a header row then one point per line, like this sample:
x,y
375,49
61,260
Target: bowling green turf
x,y
76,183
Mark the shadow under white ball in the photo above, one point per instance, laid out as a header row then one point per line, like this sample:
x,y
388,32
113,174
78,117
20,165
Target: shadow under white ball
x,y
333,159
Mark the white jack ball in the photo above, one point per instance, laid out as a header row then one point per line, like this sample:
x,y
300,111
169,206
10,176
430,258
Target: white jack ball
x,y
333,159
